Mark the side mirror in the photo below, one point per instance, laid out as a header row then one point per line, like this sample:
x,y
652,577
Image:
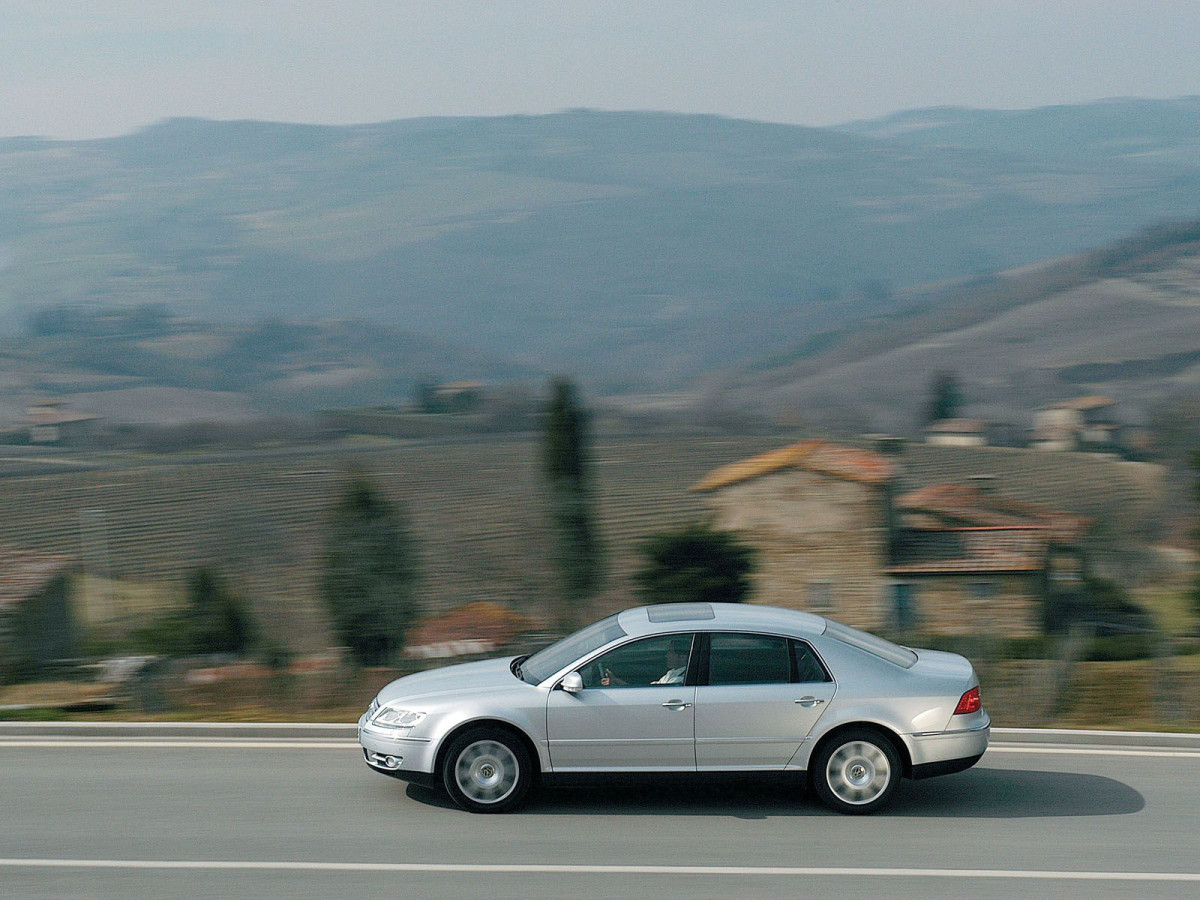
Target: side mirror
x,y
572,683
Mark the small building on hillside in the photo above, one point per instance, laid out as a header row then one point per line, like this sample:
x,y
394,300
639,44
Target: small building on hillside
x,y
37,621
846,531
1083,423
50,422
957,433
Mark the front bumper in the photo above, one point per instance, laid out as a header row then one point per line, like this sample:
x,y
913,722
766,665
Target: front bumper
x,y
943,752
408,758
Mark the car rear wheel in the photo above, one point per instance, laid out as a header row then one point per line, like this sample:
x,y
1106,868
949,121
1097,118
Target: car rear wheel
x,y
856,772
487,770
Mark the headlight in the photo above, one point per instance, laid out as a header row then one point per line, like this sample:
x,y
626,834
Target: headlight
x,y
397,718
372,709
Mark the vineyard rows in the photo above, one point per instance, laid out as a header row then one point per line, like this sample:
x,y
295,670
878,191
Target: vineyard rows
x,y
476,509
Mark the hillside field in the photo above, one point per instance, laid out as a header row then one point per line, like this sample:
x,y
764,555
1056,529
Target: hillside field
x,y
476,508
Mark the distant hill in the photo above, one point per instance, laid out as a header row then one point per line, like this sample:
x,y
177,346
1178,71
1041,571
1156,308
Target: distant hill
x,y
1122,320
1147,133
142,364
636,250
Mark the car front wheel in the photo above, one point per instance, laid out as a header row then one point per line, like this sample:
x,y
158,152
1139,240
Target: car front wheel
x,y
856,772
487,770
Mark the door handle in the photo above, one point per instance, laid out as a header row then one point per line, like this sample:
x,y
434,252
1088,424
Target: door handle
x,y
676,705
809,701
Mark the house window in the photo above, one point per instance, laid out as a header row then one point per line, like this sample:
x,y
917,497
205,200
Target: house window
x,y
820,597
904,605
982,591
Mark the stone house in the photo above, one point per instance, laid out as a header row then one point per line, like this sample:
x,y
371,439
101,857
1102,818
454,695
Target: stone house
x,y
838,534
1082,423
820,516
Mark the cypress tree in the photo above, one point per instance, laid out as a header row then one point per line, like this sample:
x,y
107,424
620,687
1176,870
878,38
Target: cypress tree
x,y
566,465
370,575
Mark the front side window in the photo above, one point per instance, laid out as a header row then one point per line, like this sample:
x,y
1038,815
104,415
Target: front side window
x,y
748,659
645,663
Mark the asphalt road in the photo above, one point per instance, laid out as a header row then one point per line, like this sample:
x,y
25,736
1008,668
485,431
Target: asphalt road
x,y
192,814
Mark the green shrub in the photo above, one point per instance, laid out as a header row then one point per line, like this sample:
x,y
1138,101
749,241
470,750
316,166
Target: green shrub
x,y
215,620
220,620
168,635
696,563
370,575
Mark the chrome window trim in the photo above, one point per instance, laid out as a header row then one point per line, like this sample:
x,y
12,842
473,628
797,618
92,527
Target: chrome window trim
x,y
553,682
787,637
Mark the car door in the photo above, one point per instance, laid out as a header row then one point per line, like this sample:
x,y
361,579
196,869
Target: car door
x,y
622,719
759,697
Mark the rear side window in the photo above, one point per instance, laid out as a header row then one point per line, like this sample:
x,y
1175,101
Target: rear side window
x,y
748,659
808,665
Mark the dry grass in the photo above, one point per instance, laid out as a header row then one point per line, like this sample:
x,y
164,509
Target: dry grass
x,y
1171,607
50,694
99,600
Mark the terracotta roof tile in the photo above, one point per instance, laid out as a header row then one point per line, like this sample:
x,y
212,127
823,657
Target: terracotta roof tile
x,y
969,506
849,463
1126,497
474,628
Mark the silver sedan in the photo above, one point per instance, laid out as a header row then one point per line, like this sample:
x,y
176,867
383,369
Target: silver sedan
x,y
685,688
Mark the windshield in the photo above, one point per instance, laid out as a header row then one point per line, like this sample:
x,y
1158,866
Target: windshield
x,y
876,646
546,662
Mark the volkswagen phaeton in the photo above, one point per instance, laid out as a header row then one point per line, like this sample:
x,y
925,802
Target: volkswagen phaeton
x,y
685,688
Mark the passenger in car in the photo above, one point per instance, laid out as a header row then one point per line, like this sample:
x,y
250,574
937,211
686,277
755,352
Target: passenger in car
x,y
677,661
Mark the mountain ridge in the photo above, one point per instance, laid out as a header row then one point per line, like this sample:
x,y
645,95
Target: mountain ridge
x,y
637,250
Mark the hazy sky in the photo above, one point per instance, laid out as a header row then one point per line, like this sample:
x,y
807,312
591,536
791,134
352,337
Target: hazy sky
x,y
92,68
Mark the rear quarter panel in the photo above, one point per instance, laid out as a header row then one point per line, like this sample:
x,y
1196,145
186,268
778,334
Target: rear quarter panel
x,y
873,691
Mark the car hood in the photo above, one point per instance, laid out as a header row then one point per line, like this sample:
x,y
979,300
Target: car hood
x,y
471,678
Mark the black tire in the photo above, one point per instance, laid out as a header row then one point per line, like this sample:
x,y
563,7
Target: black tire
x,y
487,770
856,772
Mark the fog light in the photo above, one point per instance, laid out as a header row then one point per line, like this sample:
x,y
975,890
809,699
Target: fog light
x,y
391,762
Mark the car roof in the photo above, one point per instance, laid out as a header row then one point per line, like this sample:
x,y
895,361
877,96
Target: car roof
x,y
674,617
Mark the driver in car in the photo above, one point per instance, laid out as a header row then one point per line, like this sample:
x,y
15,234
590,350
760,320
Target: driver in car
x,y
677,660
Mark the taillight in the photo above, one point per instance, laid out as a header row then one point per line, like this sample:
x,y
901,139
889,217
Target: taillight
x,y
968,703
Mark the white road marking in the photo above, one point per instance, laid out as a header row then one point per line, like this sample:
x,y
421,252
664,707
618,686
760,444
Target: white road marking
x,y
1094,751
194,744
1077,732
559,869
184,726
